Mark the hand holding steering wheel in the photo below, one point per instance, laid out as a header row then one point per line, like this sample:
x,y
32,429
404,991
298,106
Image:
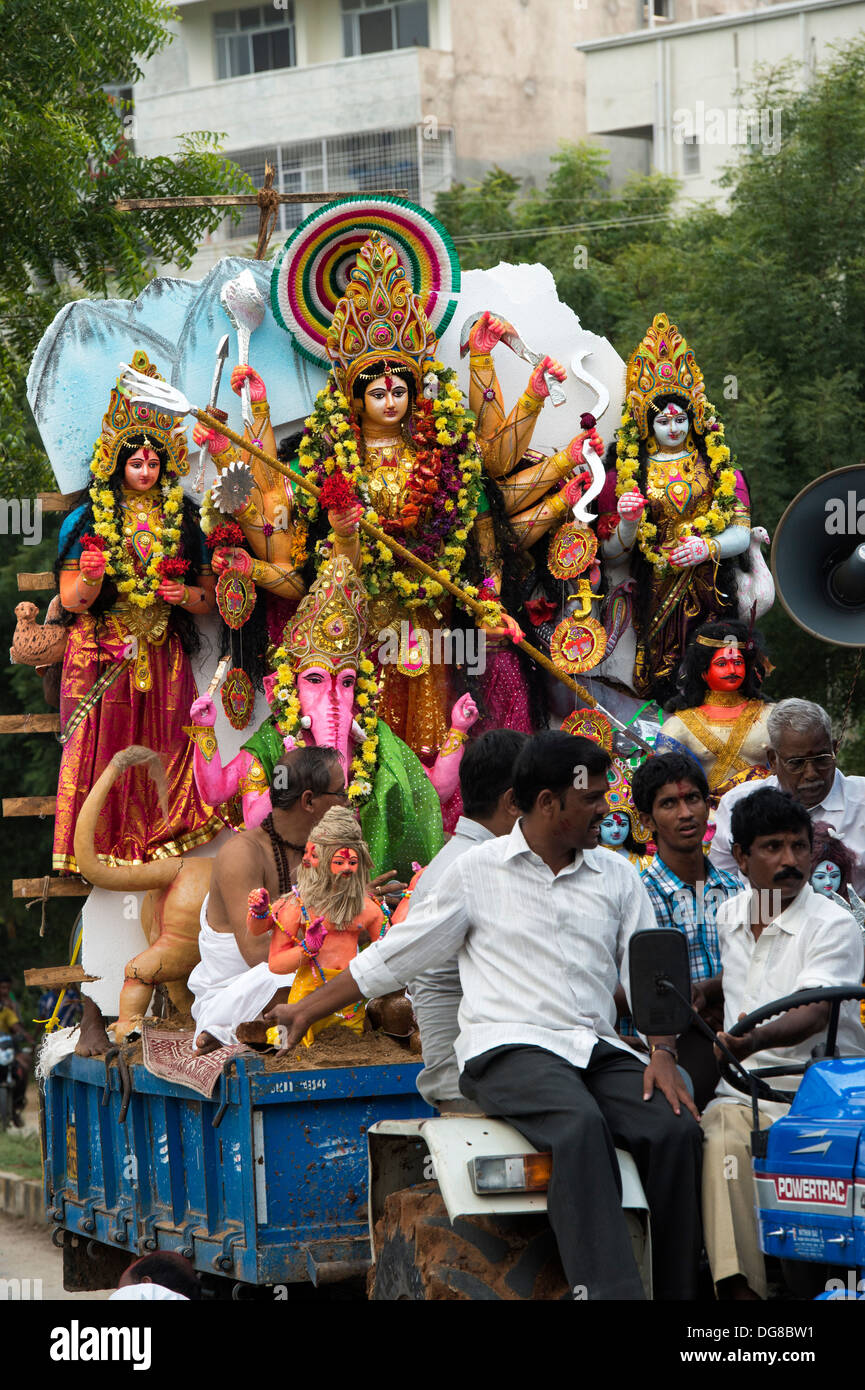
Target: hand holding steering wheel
x,y
834,994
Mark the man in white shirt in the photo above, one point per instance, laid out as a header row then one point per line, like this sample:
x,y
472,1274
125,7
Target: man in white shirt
x,y
540,921
777,937
489,809
802,757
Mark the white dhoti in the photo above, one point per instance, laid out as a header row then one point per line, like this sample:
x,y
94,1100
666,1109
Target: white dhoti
x,y
227,990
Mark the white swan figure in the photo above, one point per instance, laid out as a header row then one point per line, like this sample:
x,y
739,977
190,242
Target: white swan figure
x,y
755,586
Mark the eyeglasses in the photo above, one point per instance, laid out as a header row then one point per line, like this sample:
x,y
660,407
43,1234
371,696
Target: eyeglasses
x,y
338,793
821,762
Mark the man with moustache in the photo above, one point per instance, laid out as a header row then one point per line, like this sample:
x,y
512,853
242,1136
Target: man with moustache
x,y
802,757
540,921
777,936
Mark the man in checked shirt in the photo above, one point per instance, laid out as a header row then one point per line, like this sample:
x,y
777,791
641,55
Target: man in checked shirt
x,y
540,922
672,796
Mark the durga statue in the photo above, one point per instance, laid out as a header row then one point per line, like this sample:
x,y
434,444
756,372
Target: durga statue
x,y
391,440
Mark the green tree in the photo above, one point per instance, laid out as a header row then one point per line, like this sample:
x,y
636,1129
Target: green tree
x,y
64,161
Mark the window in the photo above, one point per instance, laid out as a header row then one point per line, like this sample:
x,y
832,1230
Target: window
x,y
691,154
654,10
375,26
259,39
370,159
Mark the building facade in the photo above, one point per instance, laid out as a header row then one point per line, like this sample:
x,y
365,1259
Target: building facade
x,y
344,95
673,96
347,95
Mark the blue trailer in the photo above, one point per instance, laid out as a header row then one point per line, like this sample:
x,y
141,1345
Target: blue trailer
x,y
264,1184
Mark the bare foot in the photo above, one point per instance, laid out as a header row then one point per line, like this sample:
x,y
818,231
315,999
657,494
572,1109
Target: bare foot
x,y
253,1034
207,1043
93,1041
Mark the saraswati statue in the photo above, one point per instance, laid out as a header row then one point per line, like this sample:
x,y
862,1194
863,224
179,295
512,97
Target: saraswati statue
x,y
682,507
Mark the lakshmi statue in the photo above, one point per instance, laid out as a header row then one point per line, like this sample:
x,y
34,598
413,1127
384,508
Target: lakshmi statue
x,y
682,509
391,440
720,716
325,692
132,569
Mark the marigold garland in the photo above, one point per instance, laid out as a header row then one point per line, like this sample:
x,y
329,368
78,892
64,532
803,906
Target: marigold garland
x,y
139,589
721,469
446,445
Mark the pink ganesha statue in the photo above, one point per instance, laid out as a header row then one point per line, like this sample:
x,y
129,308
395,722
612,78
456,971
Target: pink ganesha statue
x,y
322,694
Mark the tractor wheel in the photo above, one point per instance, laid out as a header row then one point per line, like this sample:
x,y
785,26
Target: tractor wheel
x,y
421,1257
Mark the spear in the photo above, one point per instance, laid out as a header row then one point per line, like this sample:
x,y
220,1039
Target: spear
x,y
163,396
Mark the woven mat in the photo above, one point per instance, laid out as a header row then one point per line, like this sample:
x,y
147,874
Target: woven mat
x,y
171,1057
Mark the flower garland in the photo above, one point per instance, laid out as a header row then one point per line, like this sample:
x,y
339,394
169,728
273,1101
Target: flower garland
x,y
721,468
445,480
139,589
286,708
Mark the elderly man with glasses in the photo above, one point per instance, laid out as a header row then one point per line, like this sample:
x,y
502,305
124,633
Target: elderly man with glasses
x,y
802,757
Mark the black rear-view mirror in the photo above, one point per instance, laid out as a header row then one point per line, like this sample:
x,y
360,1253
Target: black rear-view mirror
x,y
656,957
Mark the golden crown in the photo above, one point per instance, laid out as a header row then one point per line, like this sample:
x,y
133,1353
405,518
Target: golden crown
x,y
124,419
329,627
663,365
619,798
378,318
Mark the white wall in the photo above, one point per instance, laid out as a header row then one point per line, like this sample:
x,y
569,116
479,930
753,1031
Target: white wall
x,y
292,104
645,79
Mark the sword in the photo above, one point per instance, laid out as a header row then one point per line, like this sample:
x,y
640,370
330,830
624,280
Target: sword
x,y
581,511
512,339
221,354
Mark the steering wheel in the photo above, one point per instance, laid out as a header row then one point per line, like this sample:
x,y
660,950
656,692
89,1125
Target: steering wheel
x,y
834,994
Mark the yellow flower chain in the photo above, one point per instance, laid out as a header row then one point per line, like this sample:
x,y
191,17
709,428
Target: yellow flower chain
x,y
710,523
119,565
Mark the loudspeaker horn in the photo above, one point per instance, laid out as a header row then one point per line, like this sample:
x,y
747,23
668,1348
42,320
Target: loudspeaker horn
x,y
818,557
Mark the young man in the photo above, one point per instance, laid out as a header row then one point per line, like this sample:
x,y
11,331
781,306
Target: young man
x,y
672,795
540,921
489,809
778,936
233,983
802,757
